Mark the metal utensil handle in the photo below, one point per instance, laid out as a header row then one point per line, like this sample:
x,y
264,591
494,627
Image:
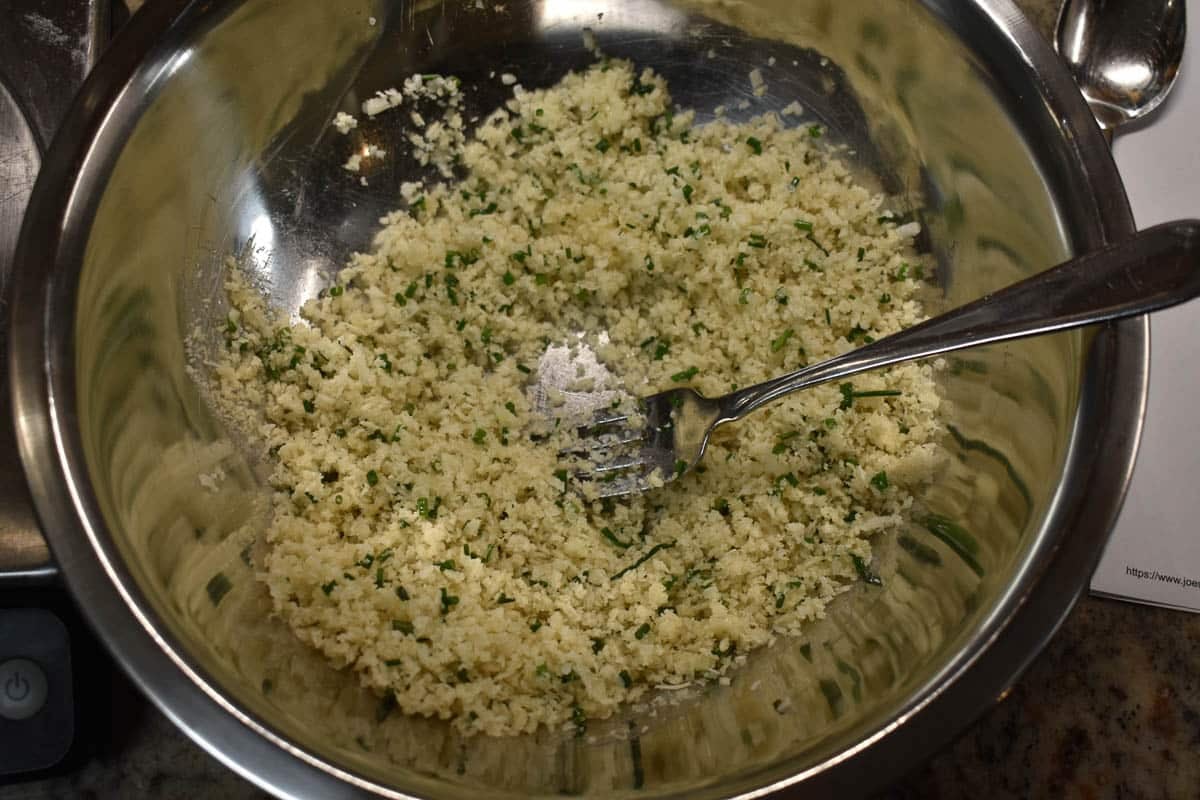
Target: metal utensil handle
x,y
1154,269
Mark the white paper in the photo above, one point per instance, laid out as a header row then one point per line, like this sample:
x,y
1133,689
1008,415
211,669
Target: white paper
x,y
1154,553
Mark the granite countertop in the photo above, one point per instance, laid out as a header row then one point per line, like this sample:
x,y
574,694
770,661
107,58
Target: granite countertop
x,y
1110,709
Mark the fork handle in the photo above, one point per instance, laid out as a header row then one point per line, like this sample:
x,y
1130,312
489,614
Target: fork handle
x,y
1152,270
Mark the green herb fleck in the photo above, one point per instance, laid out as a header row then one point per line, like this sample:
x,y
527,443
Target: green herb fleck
x,y
849,395
448,601
864,573
755,145
612,537
686,375
650,554
780,341
580,721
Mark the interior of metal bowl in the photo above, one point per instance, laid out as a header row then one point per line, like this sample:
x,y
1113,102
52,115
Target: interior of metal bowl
x,y
221,144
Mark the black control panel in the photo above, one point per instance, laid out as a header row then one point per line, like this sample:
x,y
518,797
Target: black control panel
x,y
59,692
37,706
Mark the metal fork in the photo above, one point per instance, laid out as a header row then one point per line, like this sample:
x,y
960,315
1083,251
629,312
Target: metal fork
x,y
1154,269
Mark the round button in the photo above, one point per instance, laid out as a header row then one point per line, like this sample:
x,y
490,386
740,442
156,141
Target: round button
x,y
22,689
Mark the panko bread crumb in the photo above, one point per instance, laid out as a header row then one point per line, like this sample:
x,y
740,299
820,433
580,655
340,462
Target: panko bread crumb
x,y
420,537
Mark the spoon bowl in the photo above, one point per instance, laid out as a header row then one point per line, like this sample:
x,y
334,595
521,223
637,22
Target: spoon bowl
x,y
1124,56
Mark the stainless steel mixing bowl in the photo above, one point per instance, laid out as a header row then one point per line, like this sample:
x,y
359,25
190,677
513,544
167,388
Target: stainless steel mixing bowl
x,y
205,131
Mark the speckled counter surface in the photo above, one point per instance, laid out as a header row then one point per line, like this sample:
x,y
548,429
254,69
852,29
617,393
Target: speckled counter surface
x,y
1111,709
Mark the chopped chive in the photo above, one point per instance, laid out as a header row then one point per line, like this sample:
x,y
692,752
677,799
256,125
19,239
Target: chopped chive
x,y
864,573
780,341
650,554
612,537
372,477
403,626
755,145
448,601
509,279
335,291
642,630
603,144
580,721
402,593
625,678
880,481
479,436
686,375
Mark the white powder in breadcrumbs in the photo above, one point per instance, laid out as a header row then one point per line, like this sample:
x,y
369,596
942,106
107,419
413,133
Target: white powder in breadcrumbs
x,y
344,122
421,538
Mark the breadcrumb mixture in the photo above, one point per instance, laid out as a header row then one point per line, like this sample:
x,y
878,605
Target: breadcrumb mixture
x,y
423,539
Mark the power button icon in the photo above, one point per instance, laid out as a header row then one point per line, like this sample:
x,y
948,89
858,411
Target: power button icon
x,y
22,689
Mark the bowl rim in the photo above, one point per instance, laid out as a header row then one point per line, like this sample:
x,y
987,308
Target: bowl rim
x,y
46,274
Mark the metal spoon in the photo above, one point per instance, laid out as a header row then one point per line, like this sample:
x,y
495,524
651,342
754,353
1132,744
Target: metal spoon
x,y
1154,269
1124,54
